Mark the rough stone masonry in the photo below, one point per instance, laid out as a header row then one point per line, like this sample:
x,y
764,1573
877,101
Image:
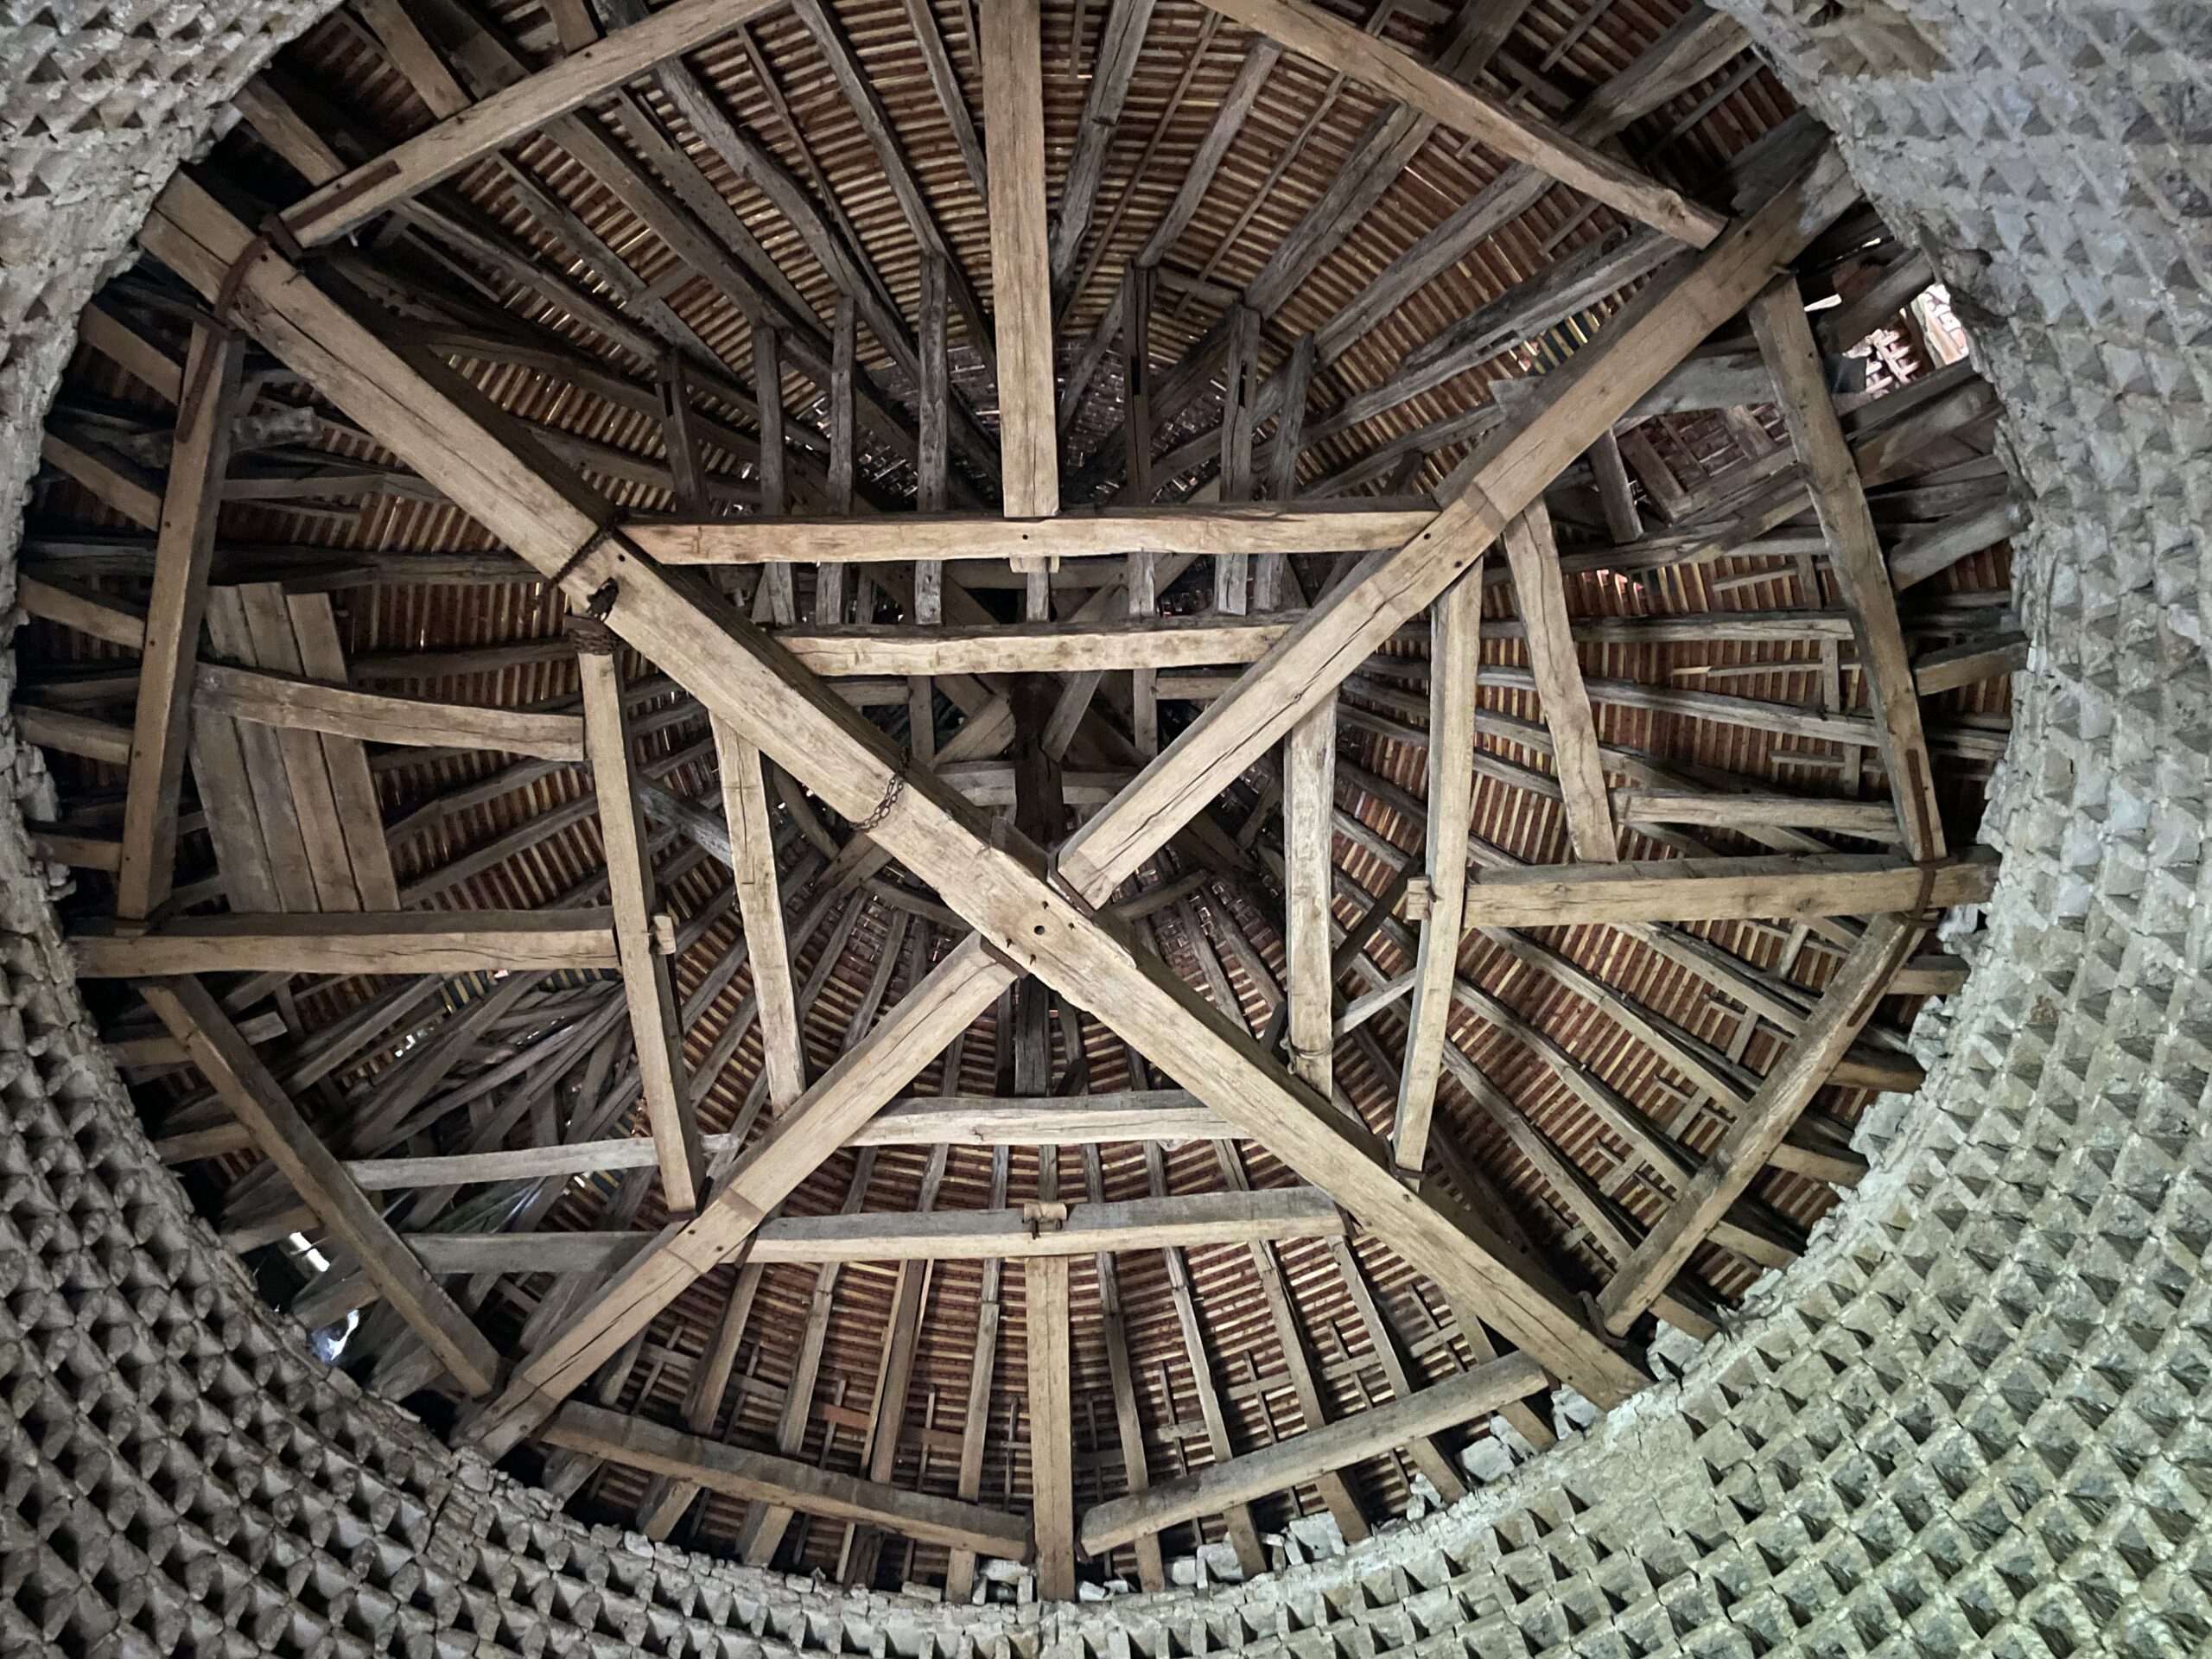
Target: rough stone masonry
x,y
1972,1421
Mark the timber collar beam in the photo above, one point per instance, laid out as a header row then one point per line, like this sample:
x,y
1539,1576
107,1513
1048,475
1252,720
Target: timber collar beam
x,y
1254,528
1025,923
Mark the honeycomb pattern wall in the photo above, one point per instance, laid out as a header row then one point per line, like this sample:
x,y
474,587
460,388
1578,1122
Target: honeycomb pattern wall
x,y
1972,1421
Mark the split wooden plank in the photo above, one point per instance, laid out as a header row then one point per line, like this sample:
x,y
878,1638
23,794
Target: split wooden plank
x,y
297,792
1326,39
485,127
313,621
1759,1130
1855,555
1336,1446
224,1057
786,1482
183,549
1009,46
1623,522
1876,820
358,942
648,985
1455,659
765,1523
1540,590
1778,886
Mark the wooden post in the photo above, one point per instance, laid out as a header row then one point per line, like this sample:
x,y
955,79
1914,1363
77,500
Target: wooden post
x,y
1862,571
1240,392
830,579
929,474
1282,465
196,1019
760,907
1622,520
1549,635
1152,1571
1309,791
1040,814
776,602
1455,652
679,436
183,548
960,1569
1021,281
646,981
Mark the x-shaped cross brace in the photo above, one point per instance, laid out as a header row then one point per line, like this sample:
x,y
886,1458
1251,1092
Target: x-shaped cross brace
x,y
1027,920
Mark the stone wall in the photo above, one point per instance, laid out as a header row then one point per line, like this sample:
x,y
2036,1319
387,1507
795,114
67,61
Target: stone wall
x,y
1972,1421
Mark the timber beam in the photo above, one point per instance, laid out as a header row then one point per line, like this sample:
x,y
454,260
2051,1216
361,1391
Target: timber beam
x,y
358,942
786,1483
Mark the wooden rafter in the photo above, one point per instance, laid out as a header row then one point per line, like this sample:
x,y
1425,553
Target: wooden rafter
x,y
785,1482
1862,576
1753,1137
197,1021
1021,284
484,128
1255,1474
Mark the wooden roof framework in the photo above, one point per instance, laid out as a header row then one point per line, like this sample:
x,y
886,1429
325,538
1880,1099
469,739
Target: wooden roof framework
x,y
924,994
